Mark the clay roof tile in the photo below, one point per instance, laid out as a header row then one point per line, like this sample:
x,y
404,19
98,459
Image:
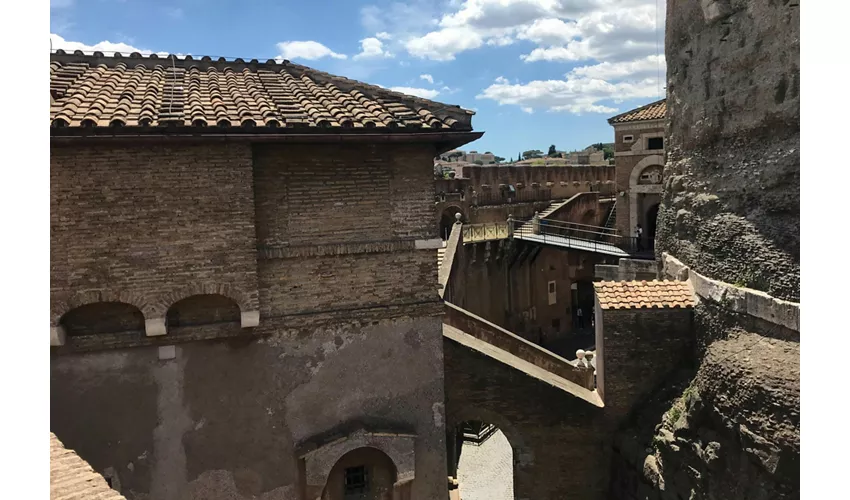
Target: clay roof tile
x,y
643,294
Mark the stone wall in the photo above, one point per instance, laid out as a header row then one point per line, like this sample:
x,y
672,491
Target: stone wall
x,y
339,247
730,215
731,207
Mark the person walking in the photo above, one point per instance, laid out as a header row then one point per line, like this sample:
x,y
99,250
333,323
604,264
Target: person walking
x,y
639,238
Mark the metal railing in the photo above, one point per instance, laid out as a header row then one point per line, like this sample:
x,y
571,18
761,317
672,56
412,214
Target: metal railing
x,y
476,433
593,238
486,231
455,196
507,197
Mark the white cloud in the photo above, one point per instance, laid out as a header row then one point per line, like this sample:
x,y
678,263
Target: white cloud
x,y
427,78
646,67
371,48
423,93
563,30
550,31
575,94
309,50
173,12
383,35
444,44
107,47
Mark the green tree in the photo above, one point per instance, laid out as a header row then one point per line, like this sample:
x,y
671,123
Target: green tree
x,y
478,162
609,152
532,153
499,159
551,150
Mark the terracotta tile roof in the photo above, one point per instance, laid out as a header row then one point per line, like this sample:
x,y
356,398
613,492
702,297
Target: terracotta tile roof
x,y
150,91
652,111
71,478
643,294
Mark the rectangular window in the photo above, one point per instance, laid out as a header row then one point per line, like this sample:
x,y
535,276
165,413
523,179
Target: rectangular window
x,y
553,297
628,138
356,480
655,143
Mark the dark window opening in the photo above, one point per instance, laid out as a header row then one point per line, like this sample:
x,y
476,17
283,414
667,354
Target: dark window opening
x,y
356,480
552,287
108,481
556,324
655,143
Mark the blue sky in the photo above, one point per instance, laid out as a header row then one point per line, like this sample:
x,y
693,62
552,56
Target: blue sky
x,y
536,72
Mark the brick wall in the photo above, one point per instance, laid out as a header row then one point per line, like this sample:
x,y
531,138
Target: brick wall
x,y
150,225
517,298
347,193
638,350
577,179
625,164
558,440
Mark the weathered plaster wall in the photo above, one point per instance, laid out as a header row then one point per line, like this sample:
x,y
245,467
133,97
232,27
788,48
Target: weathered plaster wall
x,y
222,419
731,207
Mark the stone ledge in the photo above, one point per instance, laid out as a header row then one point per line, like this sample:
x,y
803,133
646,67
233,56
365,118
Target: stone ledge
x,y
739,299
289,252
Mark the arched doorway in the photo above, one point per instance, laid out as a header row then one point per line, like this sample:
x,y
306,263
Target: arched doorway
x,y
651,224
484,462
447,220
361,474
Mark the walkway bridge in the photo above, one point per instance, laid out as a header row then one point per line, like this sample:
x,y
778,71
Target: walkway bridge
x,y
546,406
569,235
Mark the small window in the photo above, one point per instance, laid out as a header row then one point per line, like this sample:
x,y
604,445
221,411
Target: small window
x,y
628,138
356,480
655,143
551,287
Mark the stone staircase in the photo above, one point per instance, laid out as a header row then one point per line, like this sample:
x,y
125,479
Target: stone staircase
x,y
555,205
441,254
611,220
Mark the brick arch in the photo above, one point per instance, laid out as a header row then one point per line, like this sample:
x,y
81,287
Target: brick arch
x,y
643,164
243,300
60,307
399,448
523,455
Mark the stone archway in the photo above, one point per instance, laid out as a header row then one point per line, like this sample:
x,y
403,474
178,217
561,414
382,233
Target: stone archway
x,y
447,220
652,223
645,188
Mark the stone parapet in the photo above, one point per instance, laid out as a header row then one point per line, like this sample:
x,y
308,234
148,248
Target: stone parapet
x,y
735,298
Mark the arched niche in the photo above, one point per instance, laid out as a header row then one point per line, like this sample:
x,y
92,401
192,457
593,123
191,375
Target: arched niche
x,y
363,473
203,309
320,458
102,317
